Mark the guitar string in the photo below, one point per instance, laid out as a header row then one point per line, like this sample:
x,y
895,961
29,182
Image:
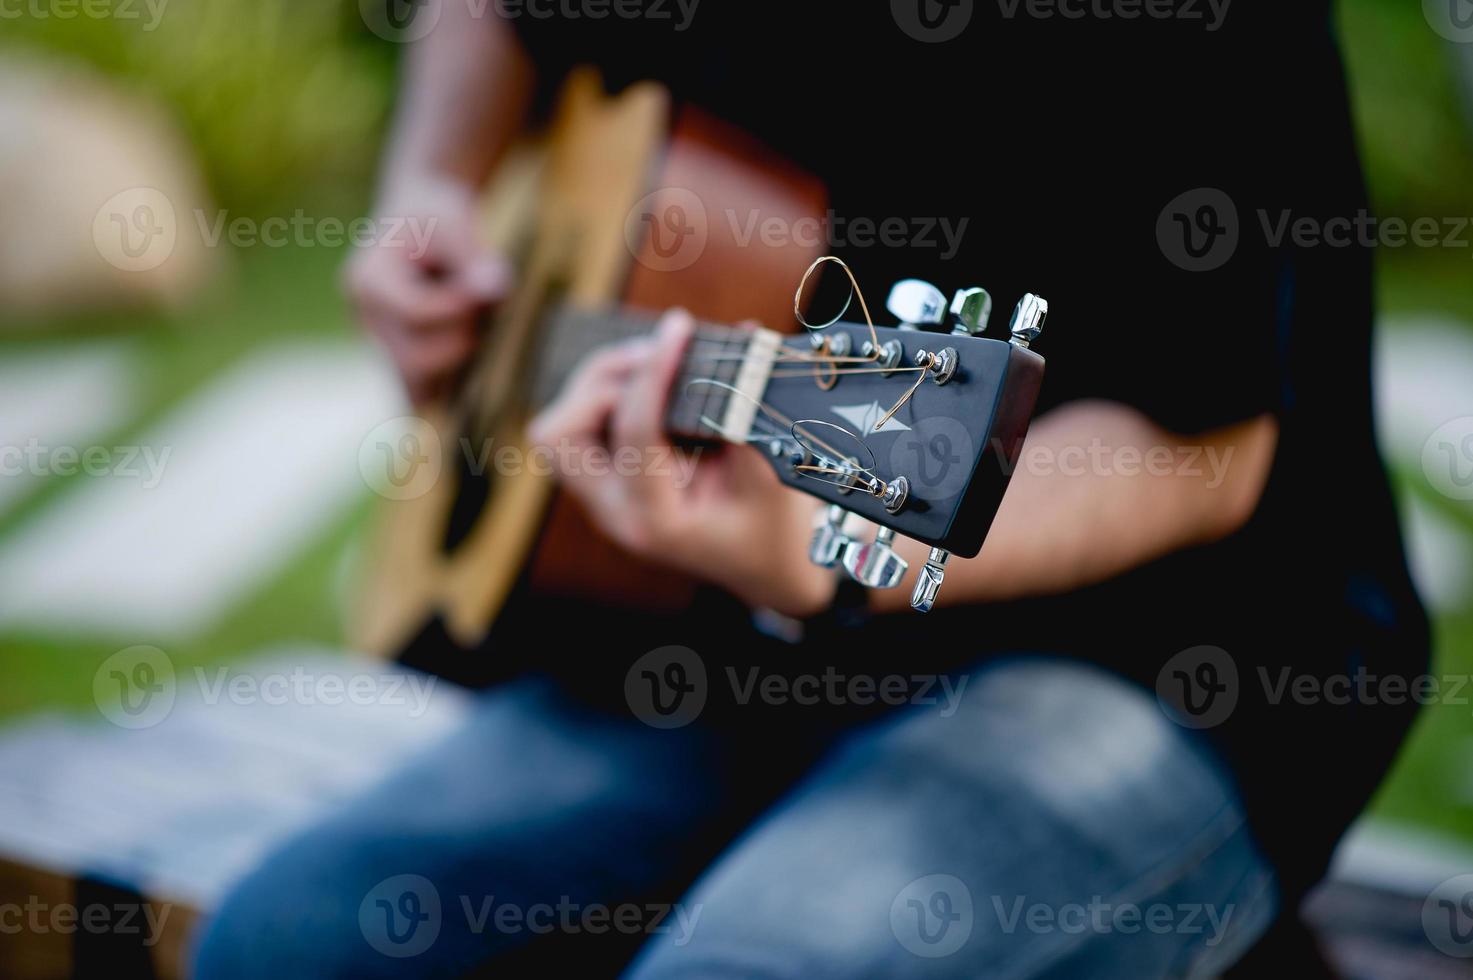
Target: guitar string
x,y
854,292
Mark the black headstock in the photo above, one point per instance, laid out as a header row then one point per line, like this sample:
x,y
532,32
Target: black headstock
x,y
915,428
953,444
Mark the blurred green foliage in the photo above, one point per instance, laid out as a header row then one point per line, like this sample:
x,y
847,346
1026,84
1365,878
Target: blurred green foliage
x,y
1414,124
281,99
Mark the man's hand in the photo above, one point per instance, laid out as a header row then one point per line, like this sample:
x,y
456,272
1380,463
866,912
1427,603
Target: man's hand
x,y
733,523
426,307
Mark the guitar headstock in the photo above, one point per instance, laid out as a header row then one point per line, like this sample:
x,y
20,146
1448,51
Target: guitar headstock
x,y
915,427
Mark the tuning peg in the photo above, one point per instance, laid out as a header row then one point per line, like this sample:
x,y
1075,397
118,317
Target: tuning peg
x,y
829,539
1028,317
875,565
916,304
971,309
928,580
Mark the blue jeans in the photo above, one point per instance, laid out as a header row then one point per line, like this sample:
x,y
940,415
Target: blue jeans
x,y
1050,822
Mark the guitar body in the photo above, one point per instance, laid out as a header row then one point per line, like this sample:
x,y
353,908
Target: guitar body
x,y
626,201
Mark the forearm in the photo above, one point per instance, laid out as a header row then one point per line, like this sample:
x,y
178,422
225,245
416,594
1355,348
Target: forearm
x,y
1100,490
467,85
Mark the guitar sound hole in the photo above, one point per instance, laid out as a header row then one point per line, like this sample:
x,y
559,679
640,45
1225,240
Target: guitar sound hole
x,y
472,490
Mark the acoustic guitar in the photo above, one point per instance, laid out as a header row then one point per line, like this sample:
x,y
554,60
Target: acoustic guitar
x,y
627,207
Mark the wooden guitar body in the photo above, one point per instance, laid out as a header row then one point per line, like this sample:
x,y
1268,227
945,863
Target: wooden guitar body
x,y
627,200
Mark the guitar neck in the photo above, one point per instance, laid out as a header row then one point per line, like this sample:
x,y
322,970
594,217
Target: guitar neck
x,y
702,392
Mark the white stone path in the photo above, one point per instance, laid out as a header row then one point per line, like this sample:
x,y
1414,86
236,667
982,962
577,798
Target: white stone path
x,y
230,488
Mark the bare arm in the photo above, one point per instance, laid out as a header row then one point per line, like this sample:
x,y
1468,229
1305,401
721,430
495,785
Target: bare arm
x,y
1101,489
467,85
466,88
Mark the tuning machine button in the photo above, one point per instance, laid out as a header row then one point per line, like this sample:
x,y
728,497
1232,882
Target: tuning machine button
x,y
928,580
875,565
835,344
886,356
1028,317
941,364
829,540
970,310
917,304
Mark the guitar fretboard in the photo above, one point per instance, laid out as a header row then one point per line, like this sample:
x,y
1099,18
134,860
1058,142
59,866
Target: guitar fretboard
x,y
701,390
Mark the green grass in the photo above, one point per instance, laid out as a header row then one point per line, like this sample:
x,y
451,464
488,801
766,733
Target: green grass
x,y
277,294
1431,784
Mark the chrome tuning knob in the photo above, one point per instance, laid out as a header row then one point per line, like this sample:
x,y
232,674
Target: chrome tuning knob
x,y
1028,317
970,311
928,580
875,565
829,540
917,304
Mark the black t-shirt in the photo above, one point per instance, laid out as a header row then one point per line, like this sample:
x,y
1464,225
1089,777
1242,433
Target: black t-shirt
x,y
1075,149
